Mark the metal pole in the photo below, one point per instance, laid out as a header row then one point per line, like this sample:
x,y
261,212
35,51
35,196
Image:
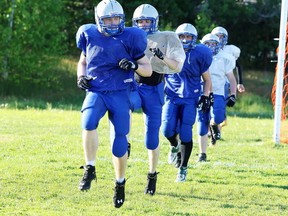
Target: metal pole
x,y
280,72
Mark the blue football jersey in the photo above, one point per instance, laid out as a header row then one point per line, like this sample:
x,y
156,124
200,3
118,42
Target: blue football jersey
x,y
103,54
187,83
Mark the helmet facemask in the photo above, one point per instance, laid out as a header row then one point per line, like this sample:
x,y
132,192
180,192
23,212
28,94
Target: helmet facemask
x,y
187,44
185,30
109,9
152,28
146,12
223,38
222,34
213,45
111,29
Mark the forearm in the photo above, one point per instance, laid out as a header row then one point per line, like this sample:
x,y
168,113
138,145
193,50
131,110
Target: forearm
x,y
233,85
239,72
144,69
81,70
207,85
81,66
173,64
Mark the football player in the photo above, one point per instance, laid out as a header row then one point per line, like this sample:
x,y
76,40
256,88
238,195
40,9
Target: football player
x,y
183,97
109,58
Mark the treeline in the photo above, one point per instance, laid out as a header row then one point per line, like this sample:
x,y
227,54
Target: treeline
x,y
35,34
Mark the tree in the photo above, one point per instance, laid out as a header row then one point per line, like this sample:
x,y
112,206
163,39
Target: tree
x,y
251,26
32,43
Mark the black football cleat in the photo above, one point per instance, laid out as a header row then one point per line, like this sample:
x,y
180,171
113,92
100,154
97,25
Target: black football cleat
x,y
151,183
88,177
119,194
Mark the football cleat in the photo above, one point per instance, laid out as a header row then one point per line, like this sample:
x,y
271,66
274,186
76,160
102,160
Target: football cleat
x,y
172,154
119,194
202,157
88,177
215,132
178,160
151,183
181,175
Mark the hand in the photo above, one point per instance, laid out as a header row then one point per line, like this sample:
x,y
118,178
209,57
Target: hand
x,y
125,64
240,88
204,103
211,98
157,52
83,82
231,100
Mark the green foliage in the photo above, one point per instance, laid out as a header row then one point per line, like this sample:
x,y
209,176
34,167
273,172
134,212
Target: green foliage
x,y
35,35
41,151
251,26
33,45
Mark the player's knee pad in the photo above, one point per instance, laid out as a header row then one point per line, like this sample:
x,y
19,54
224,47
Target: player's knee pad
x,y
219,117
186,132
152,138
119,146
167,129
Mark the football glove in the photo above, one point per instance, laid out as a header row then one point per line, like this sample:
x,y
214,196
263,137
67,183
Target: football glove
x,y
157,52
231,100
127,65
204,103
83,82
211,98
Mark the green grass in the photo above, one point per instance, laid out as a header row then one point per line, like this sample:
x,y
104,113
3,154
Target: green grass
x,y
40,155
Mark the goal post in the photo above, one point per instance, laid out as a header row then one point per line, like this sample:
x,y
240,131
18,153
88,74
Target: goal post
x,y
280,72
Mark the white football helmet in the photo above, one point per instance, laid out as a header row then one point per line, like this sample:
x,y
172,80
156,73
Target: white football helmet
x,y
222,34
109,9
187,29
212,42
143,12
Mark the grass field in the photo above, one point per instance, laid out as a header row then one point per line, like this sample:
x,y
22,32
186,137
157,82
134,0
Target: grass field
x,y
41,152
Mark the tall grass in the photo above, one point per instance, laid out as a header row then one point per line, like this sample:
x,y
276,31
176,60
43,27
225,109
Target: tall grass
x,y
40,155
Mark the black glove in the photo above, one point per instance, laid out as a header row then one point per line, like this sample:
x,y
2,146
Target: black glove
x,y
204,103
231,100
83,82
157,52
125,64
211,98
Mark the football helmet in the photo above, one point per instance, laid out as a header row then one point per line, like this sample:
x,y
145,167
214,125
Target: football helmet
x,y
222,34
187,29
109,9
146,12
212,42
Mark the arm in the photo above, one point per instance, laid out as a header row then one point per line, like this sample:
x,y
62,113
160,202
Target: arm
x,y
83,82
240,85
81,67
171,63
207,85
144,67
232,82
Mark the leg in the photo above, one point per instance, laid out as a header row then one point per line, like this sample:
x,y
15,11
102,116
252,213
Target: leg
x,y
152,107
169,128
90,119
120,118
203,126
90,146
218,116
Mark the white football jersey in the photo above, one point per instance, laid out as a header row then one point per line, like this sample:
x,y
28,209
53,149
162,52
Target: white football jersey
x,y
222,64
232,50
